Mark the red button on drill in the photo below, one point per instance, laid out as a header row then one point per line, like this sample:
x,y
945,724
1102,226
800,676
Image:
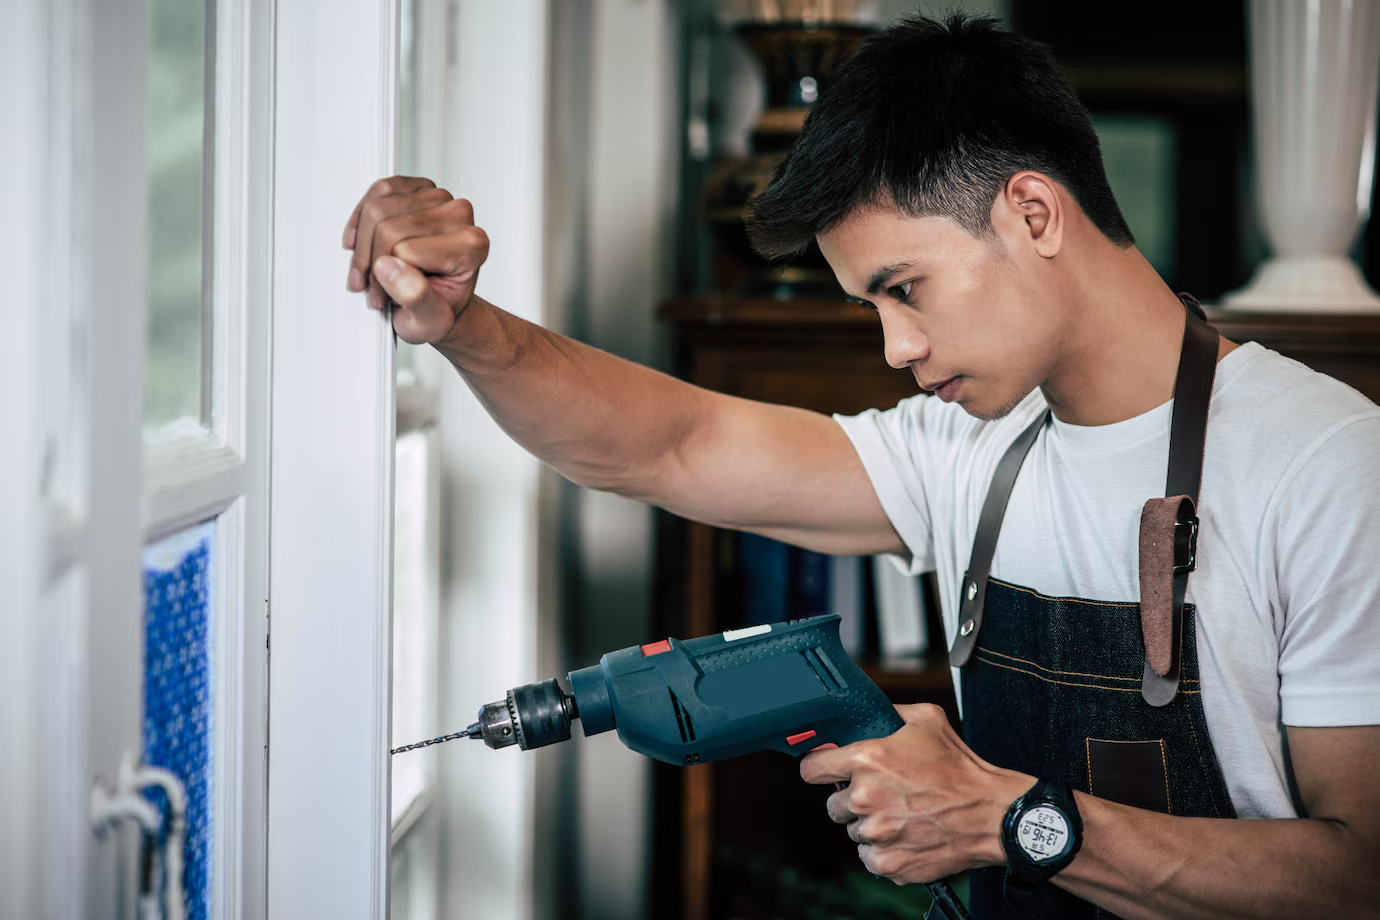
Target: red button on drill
x,y
656,648
793,740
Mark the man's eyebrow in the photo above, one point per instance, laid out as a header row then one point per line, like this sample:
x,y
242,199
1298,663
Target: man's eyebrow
x,y
884,274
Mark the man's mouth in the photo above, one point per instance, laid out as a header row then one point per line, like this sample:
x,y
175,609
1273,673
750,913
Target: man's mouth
x,y
934,387
945,389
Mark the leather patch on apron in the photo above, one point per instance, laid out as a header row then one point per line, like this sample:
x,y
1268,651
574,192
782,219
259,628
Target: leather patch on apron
x,y
1157,532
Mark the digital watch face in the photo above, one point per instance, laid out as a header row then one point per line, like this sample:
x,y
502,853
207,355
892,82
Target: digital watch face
x,y
1043,833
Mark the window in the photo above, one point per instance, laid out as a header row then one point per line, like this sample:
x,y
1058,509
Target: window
x,y
205,414
176,395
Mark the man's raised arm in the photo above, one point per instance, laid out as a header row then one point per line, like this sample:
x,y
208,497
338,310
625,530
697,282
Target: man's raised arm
x,y
597,419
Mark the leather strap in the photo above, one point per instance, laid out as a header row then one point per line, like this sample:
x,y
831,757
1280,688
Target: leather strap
x,y
985,543
1187,437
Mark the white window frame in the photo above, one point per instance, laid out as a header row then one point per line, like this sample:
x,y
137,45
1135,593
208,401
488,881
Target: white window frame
x,y
222,474
332,470
81,496
26,67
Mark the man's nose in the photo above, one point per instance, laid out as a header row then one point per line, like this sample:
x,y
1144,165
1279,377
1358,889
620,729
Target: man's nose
x,y
904,342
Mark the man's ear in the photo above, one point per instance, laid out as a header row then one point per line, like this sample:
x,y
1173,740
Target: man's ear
x,y
1032,200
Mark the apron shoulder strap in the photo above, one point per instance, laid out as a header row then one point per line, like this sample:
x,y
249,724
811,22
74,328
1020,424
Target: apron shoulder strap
x,y
1169,526
1162,620
985,542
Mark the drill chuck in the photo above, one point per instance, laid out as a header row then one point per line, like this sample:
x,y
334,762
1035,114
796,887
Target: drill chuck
x,y
530,716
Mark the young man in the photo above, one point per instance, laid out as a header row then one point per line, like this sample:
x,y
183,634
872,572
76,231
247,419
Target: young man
x,y
954,183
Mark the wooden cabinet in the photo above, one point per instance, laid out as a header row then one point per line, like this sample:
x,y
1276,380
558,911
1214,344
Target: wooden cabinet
x,y
712,820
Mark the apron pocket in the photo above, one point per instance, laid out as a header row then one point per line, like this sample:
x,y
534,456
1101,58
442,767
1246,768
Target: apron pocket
x,y
1129,772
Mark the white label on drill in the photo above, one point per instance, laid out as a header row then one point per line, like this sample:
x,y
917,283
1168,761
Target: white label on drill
x,y
732,634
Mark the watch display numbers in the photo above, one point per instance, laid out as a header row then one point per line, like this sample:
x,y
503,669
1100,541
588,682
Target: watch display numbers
x,y
1043,832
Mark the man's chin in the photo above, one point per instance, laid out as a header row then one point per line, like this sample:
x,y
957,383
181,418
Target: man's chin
x,y
986,412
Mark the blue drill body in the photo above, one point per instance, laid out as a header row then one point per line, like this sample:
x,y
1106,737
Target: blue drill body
x,y
734,693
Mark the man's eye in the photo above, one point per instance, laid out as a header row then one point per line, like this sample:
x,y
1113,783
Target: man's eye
x,y
902,291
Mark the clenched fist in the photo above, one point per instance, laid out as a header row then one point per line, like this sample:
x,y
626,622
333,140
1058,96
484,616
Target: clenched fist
x,y
416,245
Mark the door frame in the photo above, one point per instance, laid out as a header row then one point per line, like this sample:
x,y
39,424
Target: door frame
x,y
330,583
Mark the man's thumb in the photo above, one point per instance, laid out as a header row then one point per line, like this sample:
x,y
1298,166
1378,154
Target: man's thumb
x,y
421,315
403,283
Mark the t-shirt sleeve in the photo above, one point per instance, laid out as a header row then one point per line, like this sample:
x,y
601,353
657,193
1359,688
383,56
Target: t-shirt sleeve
x,y
1327,544
890,444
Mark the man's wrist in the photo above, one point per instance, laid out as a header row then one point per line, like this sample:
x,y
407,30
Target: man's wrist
x,y
1007,786
470,337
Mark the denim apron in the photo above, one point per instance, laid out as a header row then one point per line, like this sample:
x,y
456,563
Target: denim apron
x,y
1064,688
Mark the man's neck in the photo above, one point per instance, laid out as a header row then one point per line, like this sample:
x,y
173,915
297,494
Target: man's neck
x,y
1121,357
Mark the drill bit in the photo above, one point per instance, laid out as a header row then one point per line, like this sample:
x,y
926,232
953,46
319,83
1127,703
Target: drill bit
x,y
473,731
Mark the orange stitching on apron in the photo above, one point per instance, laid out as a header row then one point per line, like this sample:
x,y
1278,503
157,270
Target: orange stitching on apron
x,y
1087,749
1062,683
1135,680
1164,760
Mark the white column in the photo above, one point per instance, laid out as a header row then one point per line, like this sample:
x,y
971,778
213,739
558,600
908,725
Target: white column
x,y
1314,66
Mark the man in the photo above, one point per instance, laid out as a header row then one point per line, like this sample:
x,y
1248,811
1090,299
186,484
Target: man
x,y
954,183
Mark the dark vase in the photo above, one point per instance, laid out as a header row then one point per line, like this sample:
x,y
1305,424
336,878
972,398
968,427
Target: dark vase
x,y
798,61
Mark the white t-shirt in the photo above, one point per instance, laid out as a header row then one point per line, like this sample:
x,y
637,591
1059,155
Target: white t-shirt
x,y
1288,579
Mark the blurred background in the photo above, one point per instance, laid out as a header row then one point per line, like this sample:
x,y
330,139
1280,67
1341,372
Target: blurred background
x,y
661,119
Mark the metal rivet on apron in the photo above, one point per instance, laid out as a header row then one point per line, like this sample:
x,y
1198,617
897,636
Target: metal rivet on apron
x,y
972,590
966,628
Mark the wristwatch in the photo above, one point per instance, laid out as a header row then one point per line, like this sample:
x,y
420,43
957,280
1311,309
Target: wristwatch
x,y
1041,834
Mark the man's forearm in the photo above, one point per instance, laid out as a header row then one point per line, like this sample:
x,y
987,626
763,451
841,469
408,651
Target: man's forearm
x,y
1140,864
599,420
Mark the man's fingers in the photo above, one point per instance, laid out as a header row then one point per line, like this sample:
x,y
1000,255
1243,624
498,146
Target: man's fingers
x,y
834,765
840,807
377,212
457,255
423,314
350,233
921,712
390,186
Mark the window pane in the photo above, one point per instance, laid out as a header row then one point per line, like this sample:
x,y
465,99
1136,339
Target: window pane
x,y
178,685
174,390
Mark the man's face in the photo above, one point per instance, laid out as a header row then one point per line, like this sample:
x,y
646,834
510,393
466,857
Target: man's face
x,y
965,315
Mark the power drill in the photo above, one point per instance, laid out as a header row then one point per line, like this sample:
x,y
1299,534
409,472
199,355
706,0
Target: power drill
x,y
786,687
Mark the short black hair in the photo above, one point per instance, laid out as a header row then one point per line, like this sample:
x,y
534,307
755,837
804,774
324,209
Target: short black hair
x,y
934,118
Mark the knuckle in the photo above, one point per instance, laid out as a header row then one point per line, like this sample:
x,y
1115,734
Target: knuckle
x,y
434,195
478,239
387,234
932,712
462,208
865,756
384,186
883,831
885,862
